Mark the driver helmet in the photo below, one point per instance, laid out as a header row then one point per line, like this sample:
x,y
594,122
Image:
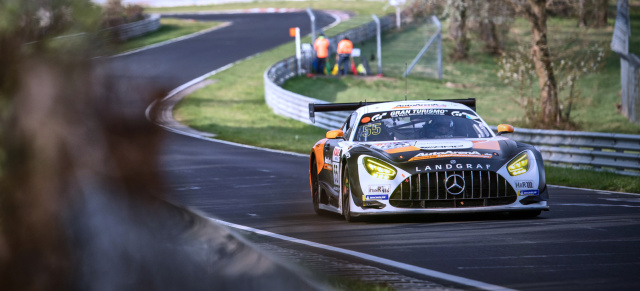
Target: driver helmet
x,y
444,125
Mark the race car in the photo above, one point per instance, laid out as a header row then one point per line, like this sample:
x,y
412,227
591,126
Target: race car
x,y
425,156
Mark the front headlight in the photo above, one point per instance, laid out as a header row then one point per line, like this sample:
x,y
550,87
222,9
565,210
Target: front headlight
x,y
379,169
519,165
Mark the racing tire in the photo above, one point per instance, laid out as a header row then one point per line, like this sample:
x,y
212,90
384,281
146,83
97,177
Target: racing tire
x,y
315,188
346,197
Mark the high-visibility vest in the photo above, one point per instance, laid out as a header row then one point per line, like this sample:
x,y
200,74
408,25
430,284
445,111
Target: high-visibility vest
x,y
345,46
322,47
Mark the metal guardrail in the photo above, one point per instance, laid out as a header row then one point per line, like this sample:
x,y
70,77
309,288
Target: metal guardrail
x,y
614,152
296,106
619,153
130,30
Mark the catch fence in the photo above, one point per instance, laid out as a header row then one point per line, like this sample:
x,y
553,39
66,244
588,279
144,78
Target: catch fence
x,y
629,64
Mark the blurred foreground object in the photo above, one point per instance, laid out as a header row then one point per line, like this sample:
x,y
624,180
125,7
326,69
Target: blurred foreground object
x,y
80,189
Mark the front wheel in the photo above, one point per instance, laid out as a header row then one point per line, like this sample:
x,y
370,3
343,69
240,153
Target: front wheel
x,y
346,196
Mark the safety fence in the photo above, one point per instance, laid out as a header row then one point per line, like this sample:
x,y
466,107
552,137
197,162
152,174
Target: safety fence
x,y
296,106
130,30
629,64
618,153
615,152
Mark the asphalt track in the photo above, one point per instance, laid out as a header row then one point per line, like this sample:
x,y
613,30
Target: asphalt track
x,y
589,240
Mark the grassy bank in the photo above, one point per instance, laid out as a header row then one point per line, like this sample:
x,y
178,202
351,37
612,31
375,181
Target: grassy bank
x,y
234,106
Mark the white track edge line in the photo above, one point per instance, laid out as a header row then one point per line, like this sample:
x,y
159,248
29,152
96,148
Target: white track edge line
x,y
375,259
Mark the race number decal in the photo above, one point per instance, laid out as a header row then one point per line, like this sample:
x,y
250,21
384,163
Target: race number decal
x,y
371,129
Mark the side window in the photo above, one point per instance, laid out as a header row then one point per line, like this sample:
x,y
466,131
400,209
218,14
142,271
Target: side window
x,y
349,125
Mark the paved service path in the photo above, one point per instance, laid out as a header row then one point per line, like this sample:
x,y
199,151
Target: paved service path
x,y
589,241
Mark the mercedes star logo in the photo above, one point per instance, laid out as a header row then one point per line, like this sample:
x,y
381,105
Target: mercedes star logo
x,y
454,184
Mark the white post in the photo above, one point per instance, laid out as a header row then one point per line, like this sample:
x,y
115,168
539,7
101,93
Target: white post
x,y
298,54
313,25
397,4
378,43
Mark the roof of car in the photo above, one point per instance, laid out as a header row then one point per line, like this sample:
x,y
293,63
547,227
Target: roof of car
x,y
410,104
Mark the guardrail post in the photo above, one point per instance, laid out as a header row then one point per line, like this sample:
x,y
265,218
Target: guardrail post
x,y
312,17
378,43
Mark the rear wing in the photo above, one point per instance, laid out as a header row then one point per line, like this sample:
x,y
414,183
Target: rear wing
x,y
313,107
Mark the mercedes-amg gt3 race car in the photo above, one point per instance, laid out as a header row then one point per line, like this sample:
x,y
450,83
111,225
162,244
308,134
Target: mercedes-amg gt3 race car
x,y
427,156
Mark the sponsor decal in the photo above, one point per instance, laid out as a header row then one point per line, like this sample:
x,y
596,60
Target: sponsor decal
x,y
418,111
449,154
453,167
376,197
328,167
444,145
379,189
365,120
524,184
378,116
391,145
336,154
336,173
461,114
421,105
327,160
531,192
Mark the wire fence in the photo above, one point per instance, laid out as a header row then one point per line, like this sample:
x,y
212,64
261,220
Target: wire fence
x,y
629,64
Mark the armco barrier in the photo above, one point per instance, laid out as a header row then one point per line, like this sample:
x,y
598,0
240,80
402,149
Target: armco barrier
x,y
611,151
619,153
134,29
296,106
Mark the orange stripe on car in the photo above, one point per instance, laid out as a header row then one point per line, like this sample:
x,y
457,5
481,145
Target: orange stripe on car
x,y
402,150
318,149
486,145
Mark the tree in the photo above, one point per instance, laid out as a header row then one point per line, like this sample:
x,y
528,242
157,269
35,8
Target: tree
x,y
535,11
492,19
600,13
596,10
458,14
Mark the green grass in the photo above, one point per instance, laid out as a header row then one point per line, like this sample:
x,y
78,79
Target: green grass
x,y
170,28
591,179
234,106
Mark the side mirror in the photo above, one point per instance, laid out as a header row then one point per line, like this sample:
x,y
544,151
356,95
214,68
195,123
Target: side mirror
x,y
334,134
504,128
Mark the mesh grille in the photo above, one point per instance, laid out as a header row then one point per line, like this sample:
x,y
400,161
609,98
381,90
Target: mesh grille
x,y
429,190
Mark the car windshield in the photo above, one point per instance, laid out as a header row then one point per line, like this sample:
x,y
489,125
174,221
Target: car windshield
x,y
420,123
